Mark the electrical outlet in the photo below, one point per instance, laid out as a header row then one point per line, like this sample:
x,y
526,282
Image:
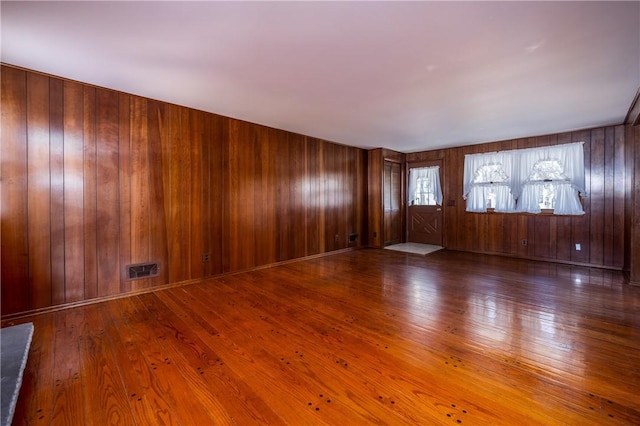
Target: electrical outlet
x,y
578,247
524,241
205,258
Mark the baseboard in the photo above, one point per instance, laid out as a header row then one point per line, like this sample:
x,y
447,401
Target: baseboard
x,y
8,319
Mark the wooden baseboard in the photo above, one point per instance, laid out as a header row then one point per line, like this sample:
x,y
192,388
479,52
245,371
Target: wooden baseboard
x,y
544,259
8,319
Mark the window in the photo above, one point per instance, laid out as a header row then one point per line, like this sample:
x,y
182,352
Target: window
x,y
487,182
531,180
551,178
424,186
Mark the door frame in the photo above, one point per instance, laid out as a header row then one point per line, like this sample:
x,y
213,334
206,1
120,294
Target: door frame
x,y
424,163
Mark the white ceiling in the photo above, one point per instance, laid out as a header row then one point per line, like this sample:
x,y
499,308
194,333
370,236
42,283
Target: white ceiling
x,y
409,76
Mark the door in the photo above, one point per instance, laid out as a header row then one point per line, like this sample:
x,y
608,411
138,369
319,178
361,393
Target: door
x,y
392,193
424,214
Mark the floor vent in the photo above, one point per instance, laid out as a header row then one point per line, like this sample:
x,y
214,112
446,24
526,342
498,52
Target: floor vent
x,y
143,270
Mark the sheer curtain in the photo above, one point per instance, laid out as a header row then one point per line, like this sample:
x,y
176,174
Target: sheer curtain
x,y
487,181
422,181
557,169
526,180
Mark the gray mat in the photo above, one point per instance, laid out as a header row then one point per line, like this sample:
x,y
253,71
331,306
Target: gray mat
x,y
14,349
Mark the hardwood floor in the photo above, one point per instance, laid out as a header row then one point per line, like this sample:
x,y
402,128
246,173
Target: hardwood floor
x,y
368,336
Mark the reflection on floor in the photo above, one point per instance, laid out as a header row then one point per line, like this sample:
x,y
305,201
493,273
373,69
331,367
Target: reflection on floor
x,y
415,248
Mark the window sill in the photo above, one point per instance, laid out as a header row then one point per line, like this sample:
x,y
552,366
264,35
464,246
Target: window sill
x,y
543,212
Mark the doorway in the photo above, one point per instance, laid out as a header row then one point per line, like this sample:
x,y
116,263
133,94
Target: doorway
x,y
424,196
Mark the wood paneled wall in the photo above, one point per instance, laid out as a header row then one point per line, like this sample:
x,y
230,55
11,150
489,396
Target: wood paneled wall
x,y
632,137
601,232
94,180
376,207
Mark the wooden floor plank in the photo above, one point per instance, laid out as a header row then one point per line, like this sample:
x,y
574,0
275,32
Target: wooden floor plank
x,y
68,397
367,336
148,401
177,380
105,397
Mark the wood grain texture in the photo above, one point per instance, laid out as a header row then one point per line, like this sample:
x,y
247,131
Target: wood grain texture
x,y
74,185
632,207
39,190
124,186
398,339
108,194
140,211
56,156
95,180
13,232
90,194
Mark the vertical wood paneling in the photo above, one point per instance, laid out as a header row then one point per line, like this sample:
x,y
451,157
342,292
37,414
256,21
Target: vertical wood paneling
x,y
185,185
267,239
56,158
312,177
605,174
323,200
597,194
351,190
139,187
297,193
205,225
196,125
90,194
282,198
73,192
375,200
39,190
108,200
215,192
165,127
157,132
580,224
239,211
619,182
564,237
329,202
343,192
359,204
15,262
633,153
176,234
124,186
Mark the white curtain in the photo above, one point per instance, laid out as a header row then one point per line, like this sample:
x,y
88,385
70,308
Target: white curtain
x,y
432,175
526,172
487,181
494,196
570,156
560,167
566,200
